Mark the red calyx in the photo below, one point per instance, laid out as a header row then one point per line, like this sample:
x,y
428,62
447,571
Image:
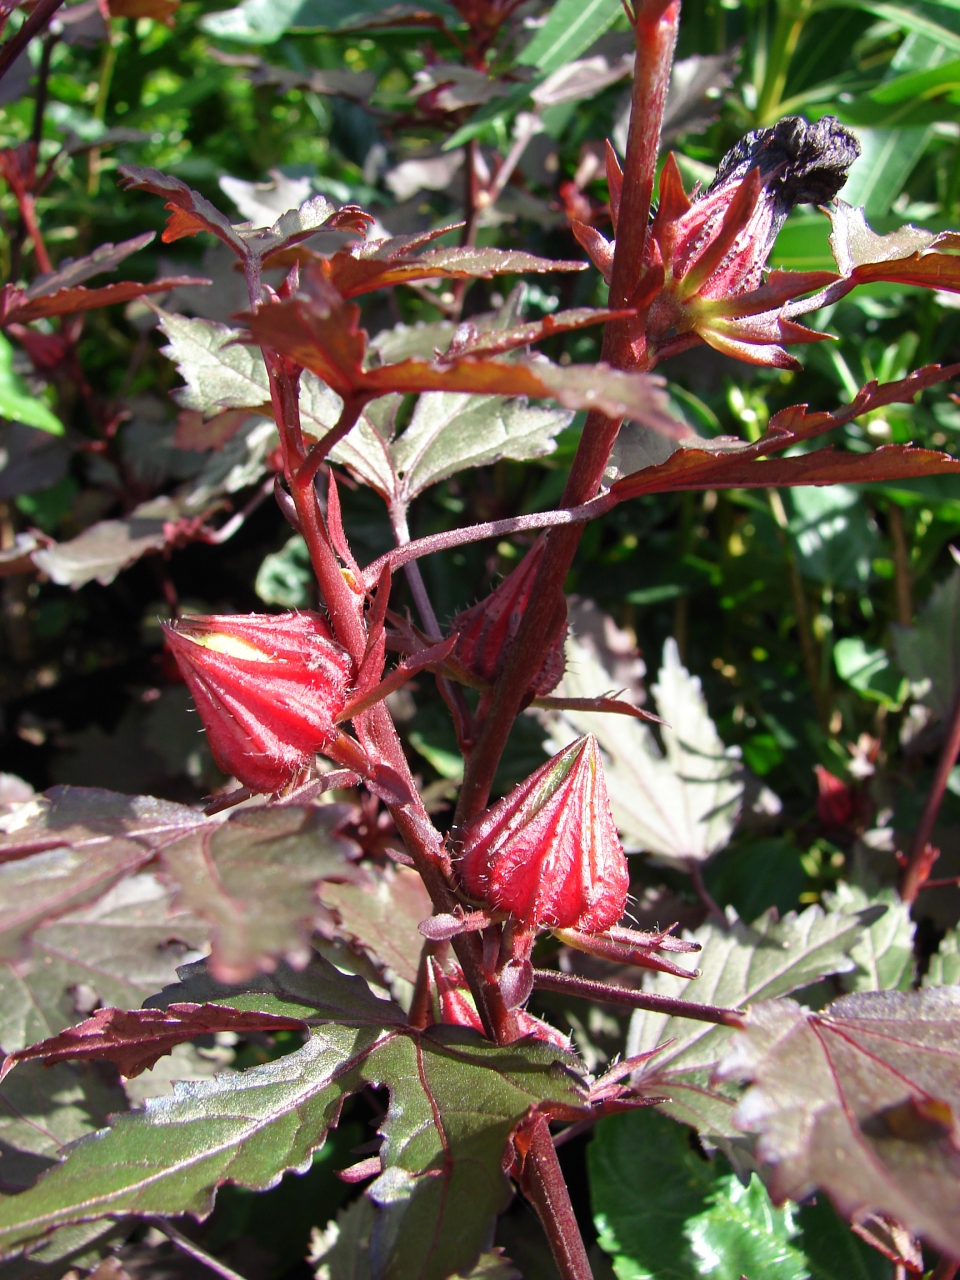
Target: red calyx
x,y
549,852
486,631
268,689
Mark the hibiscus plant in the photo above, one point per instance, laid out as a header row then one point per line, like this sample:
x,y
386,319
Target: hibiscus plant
x,y
502,896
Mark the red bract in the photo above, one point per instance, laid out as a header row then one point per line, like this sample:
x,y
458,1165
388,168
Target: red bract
x,y
268,690
486,631
549,852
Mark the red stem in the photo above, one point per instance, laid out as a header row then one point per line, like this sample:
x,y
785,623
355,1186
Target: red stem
x,y
586,989
543,1184
656,32
38,20
918,866
945,1269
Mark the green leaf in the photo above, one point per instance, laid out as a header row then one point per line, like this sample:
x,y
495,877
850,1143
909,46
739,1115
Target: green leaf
x,y
739,965
220,372
929,19
285,577
573,26
883,955
858,1100
869,671
888,156
251,876
381,916
833,1251
944,968
16,402
742,1233
454,1100
664,1212
833,536
117,951
676,806
929,653
450,432
265,21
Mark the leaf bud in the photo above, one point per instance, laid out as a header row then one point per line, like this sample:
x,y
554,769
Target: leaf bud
x,y
268,689
549,852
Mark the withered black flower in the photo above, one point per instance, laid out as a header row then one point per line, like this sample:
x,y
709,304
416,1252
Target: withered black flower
x,y
799,163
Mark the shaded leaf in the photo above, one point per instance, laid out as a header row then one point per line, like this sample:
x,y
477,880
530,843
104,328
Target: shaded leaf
x,y
833,536
135,1039
219,372
450,432
861,1101
341,1251
117,951
680,805
71,845
253,878
382,915
929,653
869,671
454,1102
73,271
109,546
263,21
739,965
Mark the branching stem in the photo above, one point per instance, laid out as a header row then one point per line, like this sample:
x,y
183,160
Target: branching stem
x,y
919,862
607,993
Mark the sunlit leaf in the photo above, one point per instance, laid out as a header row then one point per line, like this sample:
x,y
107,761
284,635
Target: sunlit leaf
x,y
884,954
16,402
680,805
739,965
860,1101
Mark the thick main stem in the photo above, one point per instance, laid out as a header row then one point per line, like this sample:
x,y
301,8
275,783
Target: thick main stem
x,y
919,864
656,33
543,1184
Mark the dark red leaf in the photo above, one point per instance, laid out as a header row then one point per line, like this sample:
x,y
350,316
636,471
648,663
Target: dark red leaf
x,y
694,469
16,307
134,1039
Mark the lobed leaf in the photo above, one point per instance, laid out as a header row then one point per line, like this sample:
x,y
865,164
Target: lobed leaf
x,y
739,965
381,917
859,1100
454,1100
679,806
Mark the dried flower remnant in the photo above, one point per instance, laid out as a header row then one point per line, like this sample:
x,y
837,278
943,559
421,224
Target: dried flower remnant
x,y
549,853
268,690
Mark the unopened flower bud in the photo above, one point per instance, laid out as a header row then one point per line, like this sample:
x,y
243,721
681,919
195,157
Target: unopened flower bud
x,y
549,852
268,689
486,631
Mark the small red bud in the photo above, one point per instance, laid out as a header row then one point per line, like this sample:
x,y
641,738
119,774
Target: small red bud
x,y
836,806
486,631
268,689
549,852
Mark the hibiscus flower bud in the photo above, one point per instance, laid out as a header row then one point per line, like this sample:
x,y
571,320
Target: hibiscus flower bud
x,y
268,689
549,852
486,631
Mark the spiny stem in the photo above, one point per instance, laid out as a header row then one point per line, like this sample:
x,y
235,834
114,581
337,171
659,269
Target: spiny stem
x,y
918,864
543,1184
607,993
